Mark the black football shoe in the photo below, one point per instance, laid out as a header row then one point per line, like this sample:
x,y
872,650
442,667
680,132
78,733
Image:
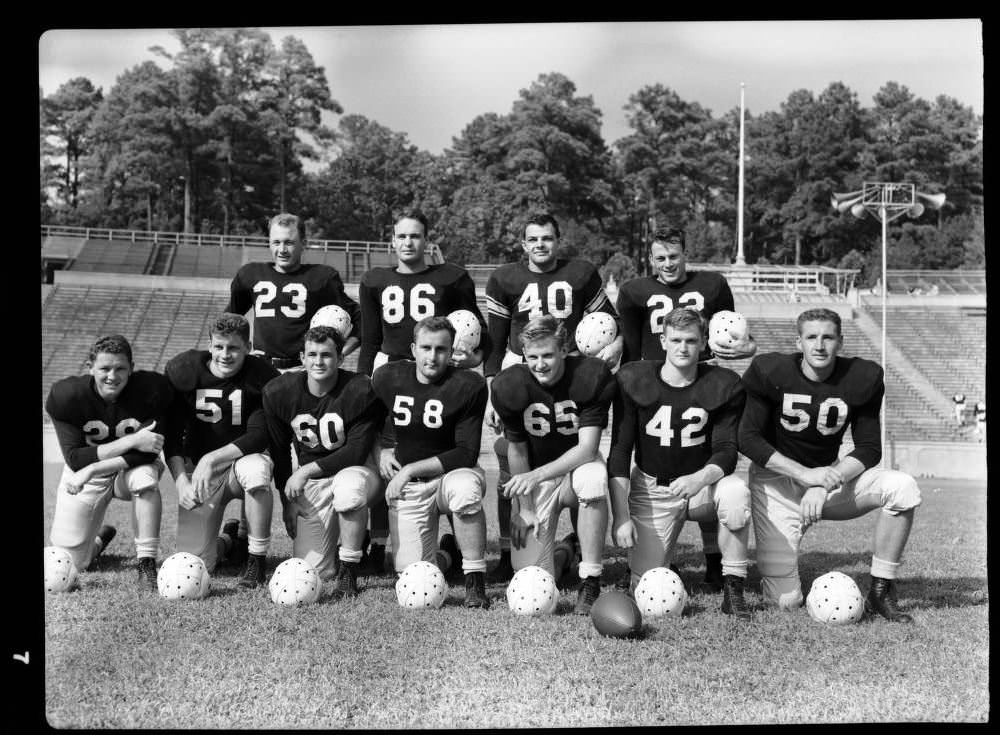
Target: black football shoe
x,y
590,590
105,535
881,600
147,574
253,577
733,602
475,591
450,546
503,571
713,581
345,584
624,582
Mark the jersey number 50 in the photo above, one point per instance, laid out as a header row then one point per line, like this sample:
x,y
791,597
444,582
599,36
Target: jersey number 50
x,y
797,419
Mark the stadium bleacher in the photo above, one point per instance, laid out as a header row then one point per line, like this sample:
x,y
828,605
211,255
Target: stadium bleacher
x,y
207,261
113,256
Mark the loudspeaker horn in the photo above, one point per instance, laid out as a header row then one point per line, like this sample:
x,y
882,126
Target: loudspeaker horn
x,y
843,202
934,201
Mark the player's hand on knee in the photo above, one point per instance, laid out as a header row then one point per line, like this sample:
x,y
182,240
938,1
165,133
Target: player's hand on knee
x,y
394,489
147,440
624,534
493,420
295,486
521,484
519,530
289,515
685,486
75,482
388,465
186,497
811,506
200,481
828,478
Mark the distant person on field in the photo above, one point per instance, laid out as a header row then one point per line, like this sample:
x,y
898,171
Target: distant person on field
x,y
216,448
981,420
331,417
428,458
959,400
108,423
798,407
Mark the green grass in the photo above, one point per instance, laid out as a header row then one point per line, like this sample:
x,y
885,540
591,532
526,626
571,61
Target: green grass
x,y
116,658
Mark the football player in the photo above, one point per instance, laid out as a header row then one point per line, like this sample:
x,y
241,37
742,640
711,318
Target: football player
x,y
428,456
553,409
680,416
331,417
392,301
980,430
286,292
798,408
644,302
959,400
565,288
216,443
108,423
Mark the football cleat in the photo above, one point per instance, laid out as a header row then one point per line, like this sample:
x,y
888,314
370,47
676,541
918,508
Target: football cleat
x,y
503,571
624,582
345,584
373,562
239,548
733,602
881,600
713,581
105,535
475,590
448,545
254,574
147,574
590,590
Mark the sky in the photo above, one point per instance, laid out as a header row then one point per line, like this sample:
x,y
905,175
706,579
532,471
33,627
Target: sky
x,y
430,81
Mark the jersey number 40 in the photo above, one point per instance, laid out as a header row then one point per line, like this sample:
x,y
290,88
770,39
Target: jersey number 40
x,y
531,300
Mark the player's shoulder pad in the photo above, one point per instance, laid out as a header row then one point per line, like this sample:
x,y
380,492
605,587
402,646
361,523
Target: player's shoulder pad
x,y
259,371
152,385
283,383
451,272
182,369
716,385
468,379
589,377
510,388
375,277
391,375
640,382
768,370
66,393
861,379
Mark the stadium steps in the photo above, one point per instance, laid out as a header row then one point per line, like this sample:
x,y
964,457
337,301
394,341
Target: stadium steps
x,y
161,259
113,256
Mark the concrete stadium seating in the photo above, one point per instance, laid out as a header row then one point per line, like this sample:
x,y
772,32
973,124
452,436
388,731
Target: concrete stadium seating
x,y
113,256
206,261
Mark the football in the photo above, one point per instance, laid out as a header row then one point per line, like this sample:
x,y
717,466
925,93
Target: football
x,y
295,582
532,591
334,316
726,329
595,331
468,331
60,571
421,585
835,598
183,576
616,615
660,592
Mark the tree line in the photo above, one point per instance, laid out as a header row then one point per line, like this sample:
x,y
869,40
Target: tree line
x,y
215,141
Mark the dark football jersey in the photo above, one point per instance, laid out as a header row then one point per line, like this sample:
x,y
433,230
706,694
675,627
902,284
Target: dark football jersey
x,y
515,294
675,431
392,303
806,420
549,419
336,430
284,303
442,419
644,302
83,420
210,412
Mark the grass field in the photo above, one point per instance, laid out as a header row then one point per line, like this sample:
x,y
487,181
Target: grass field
x,y
116,658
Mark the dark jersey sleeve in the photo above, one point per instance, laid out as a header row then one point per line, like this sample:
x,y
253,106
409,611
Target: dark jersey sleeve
x,y
756,418
279,438
361,435
866,430
509,399
632,319
255,438
336,294
240,295
623,435
468,434
73,445
602,389
724,431
498,321
371,327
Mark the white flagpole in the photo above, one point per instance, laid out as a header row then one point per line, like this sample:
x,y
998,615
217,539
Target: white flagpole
x,y
740,259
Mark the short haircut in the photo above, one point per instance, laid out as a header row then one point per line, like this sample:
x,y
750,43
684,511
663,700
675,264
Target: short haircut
x,y
114,344
227,323
412,213
543,327
540,219
322,334
289,220
434,324
818,315
684,318
669,235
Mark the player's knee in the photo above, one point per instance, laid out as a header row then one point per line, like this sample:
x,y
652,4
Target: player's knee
x,y
463,489
900,492
142,479
590,482
351,489
783,592
253,472
732,503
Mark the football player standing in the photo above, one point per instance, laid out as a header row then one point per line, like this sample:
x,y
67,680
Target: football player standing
x,y
680,416
565,288
429,453
392,301
108,425
553,409
798,408
331,417
644,302
216,443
